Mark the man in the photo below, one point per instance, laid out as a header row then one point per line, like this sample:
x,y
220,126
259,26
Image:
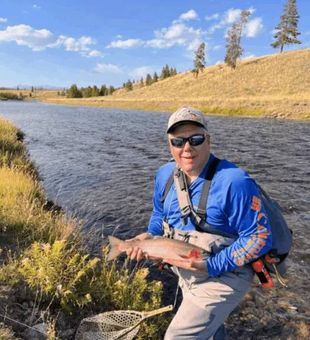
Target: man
x,y
237,229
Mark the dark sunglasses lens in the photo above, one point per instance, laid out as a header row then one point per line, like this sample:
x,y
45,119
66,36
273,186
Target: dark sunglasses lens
x,y
177,142
196,140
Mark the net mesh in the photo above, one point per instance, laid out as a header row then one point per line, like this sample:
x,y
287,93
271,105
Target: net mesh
x,y
122,325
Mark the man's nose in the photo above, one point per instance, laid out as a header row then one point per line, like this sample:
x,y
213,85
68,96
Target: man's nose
x,y
187,146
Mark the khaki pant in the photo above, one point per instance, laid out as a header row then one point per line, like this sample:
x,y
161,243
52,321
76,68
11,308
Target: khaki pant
x,y
207,302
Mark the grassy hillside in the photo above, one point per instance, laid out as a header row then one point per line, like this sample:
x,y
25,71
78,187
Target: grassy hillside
x,y
274,85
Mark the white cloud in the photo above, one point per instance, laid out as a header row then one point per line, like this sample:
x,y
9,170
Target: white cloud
x,y
95,53
141,72
108,68
253,27
129,43
36,6
217,47
177,34
212,17
231,16
189,15
25,35
81,44
3,19
41,39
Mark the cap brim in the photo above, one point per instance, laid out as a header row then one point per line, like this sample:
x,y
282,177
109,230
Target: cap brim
x,y
183,122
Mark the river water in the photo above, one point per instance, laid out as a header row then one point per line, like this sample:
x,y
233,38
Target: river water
x,y
98,164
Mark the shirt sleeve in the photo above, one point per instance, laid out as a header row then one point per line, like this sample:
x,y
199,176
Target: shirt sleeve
x,y
242,205
157,217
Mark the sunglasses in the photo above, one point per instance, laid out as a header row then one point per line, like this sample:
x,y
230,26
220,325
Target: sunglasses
x,y
194,140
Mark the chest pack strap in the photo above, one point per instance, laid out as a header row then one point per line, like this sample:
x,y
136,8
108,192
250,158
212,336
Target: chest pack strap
x,y
198,216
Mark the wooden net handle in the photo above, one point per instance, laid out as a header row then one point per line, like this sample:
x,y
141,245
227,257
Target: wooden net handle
x,y
157,311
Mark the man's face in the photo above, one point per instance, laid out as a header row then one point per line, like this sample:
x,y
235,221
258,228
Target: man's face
x,y
191,159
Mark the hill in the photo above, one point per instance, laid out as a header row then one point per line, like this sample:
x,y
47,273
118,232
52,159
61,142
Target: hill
x,y
275,85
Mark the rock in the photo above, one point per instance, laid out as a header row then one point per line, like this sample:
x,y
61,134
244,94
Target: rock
x,y
37,332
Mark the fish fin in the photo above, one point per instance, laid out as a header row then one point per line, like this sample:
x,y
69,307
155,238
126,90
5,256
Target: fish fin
x,y
114,247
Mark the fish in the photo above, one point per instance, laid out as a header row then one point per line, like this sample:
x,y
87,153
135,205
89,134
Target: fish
x,y
158,248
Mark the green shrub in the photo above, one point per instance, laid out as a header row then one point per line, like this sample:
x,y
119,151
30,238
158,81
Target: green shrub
x,y
59,272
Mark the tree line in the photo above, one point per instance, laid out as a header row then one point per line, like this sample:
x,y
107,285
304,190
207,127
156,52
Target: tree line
x,y
166,72
286,33
89,91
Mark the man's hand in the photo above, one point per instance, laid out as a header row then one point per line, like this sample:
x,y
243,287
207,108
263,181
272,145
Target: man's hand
x,y
136,253
188,264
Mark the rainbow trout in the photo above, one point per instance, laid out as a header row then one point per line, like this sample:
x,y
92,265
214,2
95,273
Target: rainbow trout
x,y
158,248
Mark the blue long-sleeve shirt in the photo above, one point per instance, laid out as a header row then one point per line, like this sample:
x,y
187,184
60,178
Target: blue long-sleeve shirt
x,y
234,207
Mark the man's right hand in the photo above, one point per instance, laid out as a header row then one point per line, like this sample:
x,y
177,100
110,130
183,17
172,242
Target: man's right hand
x,y
136,253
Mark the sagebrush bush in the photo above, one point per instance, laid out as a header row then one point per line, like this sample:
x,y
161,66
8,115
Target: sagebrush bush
x,y
59,272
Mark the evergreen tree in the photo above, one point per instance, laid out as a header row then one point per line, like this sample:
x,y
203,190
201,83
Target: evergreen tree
x,y
233,40
111,89
86,91
103,90
165,73
148,80
128,85
199,61
155,77
95,91
287,31
141,82
74,92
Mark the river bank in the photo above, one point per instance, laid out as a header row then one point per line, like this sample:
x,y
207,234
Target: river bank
x,y
282,108
48,283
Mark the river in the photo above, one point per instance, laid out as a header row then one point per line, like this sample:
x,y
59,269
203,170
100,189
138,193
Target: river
x,y
98,165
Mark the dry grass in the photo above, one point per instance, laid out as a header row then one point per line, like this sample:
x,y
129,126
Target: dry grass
x,y
23,210
275,85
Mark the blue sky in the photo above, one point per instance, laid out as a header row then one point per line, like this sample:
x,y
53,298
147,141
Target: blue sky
x,y
95,42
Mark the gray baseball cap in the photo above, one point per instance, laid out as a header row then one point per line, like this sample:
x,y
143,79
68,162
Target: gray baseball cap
x,y
186,115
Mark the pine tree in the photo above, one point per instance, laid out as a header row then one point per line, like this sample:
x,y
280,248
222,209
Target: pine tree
x,y
103,90
155,77
233,40
128,85
287,31
95,91
199,61
148,80
74,92
111,90
165,73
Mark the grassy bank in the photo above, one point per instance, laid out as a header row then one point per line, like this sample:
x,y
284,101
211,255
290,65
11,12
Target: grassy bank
x,y
45,276
270,86
11,96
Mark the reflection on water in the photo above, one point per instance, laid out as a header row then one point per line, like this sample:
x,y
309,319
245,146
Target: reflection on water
x,y
99,164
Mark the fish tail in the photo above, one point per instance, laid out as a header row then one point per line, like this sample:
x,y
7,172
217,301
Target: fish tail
x,y
114,247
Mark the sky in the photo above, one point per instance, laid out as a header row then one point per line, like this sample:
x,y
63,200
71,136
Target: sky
x,y
58,43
